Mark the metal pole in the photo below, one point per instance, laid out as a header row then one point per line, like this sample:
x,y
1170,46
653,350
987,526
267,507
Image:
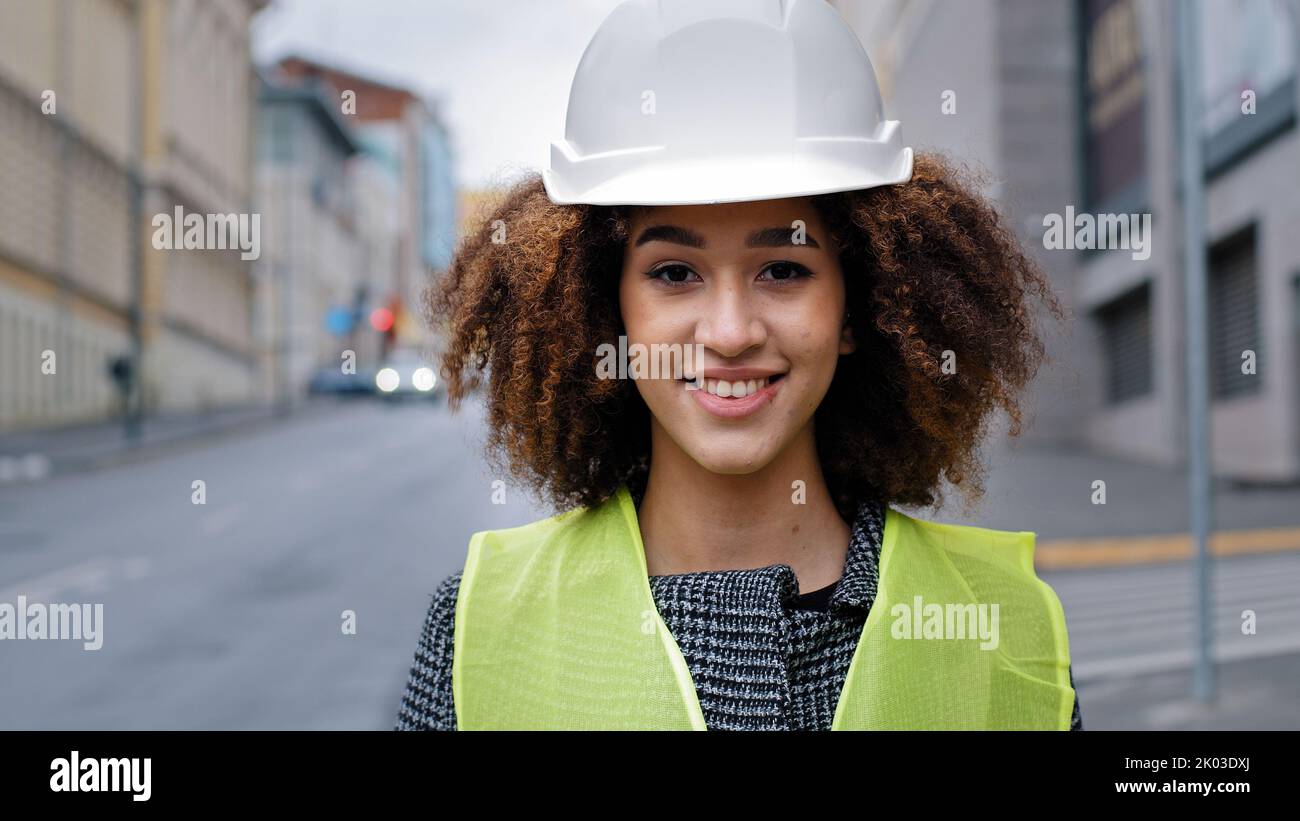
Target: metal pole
x,y
132,418
1198,401
284,215
64,316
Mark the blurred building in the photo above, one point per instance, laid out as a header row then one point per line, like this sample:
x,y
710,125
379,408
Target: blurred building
x,y
313,258
112,112
377,183
1072,104
197,110
402,126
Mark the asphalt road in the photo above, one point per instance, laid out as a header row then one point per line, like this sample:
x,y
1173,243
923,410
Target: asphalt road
x,y
228,615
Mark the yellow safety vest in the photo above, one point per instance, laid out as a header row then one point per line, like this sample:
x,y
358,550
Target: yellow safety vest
x,y
556,628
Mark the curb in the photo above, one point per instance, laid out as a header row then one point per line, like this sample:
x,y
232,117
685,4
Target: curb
x,y
1074,554
43,466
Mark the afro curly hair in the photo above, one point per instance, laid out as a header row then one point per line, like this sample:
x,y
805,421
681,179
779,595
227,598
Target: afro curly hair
x,y
929,267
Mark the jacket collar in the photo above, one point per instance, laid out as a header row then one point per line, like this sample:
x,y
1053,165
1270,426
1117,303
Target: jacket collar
x,y
856,589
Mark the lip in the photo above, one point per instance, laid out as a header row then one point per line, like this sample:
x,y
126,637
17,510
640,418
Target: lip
x,y
734,374
727,408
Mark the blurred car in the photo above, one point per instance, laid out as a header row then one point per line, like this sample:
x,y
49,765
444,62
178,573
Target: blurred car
x,y
406,373
331,380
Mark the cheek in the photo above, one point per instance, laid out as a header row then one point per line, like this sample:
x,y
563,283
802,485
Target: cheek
x,y
644,325
647,319
813,330
641,320
628,305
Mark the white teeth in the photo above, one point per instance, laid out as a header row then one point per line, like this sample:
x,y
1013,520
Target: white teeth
x,y
736,390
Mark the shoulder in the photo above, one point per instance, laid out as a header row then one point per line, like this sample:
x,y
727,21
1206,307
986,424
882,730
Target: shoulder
x,y
502,555
994,563
995,566
442,602
427,702
1013,550
966,531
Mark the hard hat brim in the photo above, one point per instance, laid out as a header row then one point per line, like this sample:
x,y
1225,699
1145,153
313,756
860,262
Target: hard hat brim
x,y
731,179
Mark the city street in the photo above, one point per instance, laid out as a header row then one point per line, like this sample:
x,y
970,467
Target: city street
x,y
229,615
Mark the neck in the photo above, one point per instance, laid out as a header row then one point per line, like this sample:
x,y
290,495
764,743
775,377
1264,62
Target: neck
x,y
693,519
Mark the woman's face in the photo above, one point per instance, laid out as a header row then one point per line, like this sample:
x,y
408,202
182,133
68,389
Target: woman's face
x,y
758,285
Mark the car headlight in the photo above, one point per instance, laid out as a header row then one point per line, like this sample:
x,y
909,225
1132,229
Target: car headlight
x,y
387,380
423,379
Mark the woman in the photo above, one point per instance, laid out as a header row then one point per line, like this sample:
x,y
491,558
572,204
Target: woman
x,y
728,555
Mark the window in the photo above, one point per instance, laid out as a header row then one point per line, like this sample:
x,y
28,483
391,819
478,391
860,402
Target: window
x,y
1126,345
1248,70
1245,45
1234,315
1112,97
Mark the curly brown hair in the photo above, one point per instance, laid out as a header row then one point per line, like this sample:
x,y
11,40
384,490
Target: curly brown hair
x,y
929,267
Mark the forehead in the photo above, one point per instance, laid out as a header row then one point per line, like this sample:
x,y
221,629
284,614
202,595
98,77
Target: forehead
x,y
729,221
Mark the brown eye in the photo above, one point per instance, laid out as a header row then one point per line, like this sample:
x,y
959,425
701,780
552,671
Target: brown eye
x,y
786,270
675,274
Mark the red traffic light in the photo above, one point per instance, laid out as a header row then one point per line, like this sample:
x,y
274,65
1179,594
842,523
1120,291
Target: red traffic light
x,y
381,319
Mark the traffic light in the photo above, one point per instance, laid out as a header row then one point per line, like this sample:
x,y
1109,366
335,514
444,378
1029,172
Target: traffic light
x,y
383,320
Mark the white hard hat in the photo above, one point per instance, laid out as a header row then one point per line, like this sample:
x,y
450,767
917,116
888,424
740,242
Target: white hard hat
x,y
680,102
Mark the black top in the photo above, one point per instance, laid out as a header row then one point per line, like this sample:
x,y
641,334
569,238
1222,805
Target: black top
x,y
818,600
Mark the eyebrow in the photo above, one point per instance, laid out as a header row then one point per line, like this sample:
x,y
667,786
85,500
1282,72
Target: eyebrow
x,y
764,238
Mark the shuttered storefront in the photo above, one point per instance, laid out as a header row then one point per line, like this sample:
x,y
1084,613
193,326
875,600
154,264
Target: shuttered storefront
x,y
1234,315
1127,345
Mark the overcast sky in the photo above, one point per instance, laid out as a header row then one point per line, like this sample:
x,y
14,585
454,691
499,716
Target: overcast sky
x,y
500,69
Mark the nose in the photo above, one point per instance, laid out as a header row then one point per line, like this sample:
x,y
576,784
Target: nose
x,y
732,322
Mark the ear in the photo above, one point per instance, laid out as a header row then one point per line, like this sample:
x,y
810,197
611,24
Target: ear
x,y
848,344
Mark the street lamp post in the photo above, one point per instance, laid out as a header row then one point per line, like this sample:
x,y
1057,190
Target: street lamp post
x,y
1198,402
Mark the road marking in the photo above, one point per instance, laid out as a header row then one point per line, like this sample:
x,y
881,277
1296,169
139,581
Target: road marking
x,y
216,522
92,576
32,467
1055,554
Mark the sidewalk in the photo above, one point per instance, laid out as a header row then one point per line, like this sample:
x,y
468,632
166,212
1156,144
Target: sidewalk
x,y
1251,694
40,454
1048,489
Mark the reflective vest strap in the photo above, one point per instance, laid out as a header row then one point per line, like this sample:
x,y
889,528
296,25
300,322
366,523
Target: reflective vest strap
x,y
556,628
962,635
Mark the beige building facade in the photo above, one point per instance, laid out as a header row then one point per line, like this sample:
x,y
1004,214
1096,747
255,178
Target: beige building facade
x,y
111,112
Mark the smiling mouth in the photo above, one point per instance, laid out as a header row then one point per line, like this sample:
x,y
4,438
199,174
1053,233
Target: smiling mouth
x,y
734,400
738,389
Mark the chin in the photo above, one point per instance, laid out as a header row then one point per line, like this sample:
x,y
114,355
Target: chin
x,y
730,468
737,461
